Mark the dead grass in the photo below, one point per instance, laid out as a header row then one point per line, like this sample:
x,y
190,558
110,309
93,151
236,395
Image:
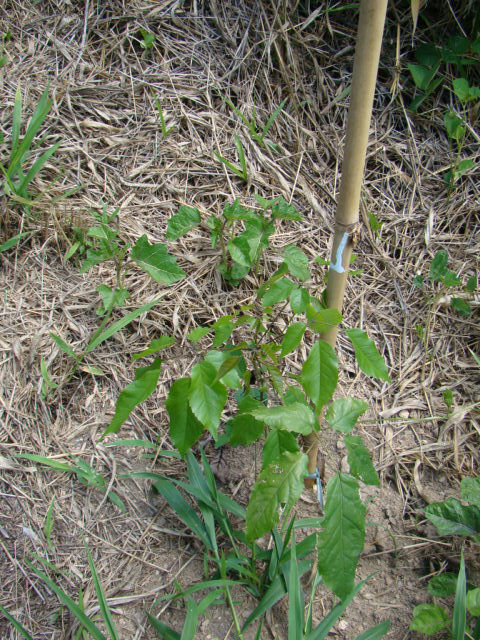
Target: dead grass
x,y
103,85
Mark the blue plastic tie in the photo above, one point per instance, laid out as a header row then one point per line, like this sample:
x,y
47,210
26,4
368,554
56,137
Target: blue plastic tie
x,y
316,476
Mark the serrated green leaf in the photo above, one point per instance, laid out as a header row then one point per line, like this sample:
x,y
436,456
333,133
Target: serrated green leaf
x,y
282,210
451,517
470,490
322,320
320,373
343,413
185,429
297,262
359,461
280,483
245,429
340,542
277,443
299,299
281,271
439,265
442,585
296,417
471,285
473,602
280,290
112,297
207,399
159,344
292,338
198,333
422,76
182,222
461,306
223,330
229,366
154,259
429,619
367,356
145,383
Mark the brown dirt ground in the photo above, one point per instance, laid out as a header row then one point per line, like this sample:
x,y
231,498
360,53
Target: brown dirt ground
x,y
103,87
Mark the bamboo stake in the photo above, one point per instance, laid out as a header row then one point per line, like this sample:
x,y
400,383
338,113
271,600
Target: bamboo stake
x,y
365,67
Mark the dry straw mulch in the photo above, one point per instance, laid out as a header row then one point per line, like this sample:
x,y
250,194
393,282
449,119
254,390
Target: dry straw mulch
x,y
103,86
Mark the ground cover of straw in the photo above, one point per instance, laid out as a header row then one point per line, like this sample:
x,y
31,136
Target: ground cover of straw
x,y
103,86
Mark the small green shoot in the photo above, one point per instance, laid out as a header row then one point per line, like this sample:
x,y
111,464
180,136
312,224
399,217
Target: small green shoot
x,y
259,136
147,39
240,171
165,131
49,520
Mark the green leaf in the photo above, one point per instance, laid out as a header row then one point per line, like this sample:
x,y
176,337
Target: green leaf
x,y
429,619
454,126
459,621
376,632
470,490
473,602
154,259
280,483
100,337
185,429
64,346
320,373
297,262
461,306
166,632
276,444
359,461
299,299
461,89
418,281
296,603
282,210
13,241
343,413
296,417
245,429
112,297
322,320
368,358
16,624
68,602
207,399
442,585
471,285
223,330
182,222
198,333
375,223
451,517
102,601
230,367
292,338
340,542
422,76
145,383
159,344
438,266
279,291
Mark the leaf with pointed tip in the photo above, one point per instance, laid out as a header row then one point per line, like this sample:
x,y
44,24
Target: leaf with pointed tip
x,y
182,222
154,259
230,367
299,299
296,417
278,442
343,413
63,346
198,333
297,262
322,320
340,542
359,461
451,517
320,373
470,490
279,291
185,429
207,399
159,344
145,383
282,210
292,338
280,483
368,358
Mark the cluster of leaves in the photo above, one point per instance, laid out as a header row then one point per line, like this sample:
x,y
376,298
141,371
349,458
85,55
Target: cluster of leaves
x,y
452,517
445,279
245,364
240,251
458,56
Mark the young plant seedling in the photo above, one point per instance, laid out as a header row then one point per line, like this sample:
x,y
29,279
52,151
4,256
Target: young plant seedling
x,y
257,135
240,171
147,39
165,131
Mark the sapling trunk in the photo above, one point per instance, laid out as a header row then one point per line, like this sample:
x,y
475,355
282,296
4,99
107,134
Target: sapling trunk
x,y
367,54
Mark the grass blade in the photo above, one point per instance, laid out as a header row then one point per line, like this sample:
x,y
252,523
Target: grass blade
x,y
460,606
272,119
68,602
102,601
229,165
120,324
63,346
54,464
16,624
190,624
164,631
36,167
13,241
295,599
16,120
375,633
241,157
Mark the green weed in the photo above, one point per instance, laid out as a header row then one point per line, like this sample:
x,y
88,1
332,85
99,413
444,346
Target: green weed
x,y
241,170
166,131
